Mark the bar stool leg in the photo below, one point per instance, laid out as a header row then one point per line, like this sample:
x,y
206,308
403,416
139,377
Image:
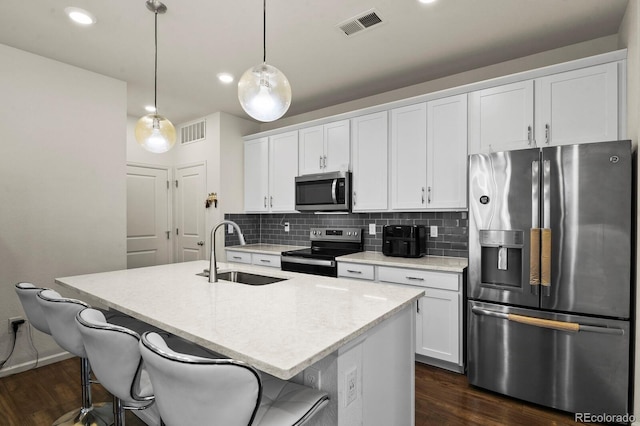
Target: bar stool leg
x,y
89,414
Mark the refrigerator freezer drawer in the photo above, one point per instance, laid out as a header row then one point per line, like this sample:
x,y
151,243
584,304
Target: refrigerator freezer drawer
x,y
569,362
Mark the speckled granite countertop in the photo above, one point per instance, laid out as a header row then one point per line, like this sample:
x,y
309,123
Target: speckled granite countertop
x,y
432,263
280,328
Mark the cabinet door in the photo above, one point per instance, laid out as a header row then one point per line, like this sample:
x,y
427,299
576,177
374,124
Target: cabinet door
x,y
438,325
447,153
578,106
256,175
370,162
408,157
311,146
283,168
337,146
501,118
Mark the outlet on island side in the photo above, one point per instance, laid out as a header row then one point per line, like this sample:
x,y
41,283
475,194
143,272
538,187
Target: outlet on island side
x,y
351,386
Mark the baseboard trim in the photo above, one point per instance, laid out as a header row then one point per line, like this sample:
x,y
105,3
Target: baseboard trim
x,y
19,368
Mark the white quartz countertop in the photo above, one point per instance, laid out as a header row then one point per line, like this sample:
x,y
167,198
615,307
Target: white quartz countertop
x,y
432,263
264,248
280,328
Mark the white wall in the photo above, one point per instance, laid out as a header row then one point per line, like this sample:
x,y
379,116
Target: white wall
x,y
62,162
629,37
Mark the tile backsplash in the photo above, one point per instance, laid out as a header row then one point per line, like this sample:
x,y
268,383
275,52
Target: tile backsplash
x,y
452,239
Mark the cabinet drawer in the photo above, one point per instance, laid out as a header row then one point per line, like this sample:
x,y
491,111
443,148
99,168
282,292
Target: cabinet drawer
x,y
419,277
272,260
354,270
238,256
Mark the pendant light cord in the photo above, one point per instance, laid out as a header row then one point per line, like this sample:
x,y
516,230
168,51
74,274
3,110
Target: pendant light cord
x,y
264,31
155,73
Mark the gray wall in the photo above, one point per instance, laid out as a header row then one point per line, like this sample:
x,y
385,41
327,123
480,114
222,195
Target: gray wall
x,y
452,239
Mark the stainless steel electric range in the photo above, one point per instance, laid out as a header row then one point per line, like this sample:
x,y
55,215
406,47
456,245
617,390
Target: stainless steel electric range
x,y
326,245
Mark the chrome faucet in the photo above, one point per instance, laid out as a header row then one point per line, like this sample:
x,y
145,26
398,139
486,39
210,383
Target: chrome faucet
x,y
213,267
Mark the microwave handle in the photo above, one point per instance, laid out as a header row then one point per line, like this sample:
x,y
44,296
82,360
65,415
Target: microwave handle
x,y
334,195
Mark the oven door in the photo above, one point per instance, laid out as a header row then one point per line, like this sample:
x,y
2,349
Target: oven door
x,y
306,265
323,192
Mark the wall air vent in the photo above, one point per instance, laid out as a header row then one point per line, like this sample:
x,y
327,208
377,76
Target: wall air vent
x,y
193,132
359,23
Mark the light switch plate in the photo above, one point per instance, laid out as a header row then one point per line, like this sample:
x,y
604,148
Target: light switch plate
x,y
372,229
433,231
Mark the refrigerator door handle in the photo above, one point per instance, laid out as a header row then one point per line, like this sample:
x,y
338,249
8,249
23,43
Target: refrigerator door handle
x,y
546,323
545,262
534,260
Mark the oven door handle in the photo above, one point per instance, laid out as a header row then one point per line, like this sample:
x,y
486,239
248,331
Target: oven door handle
x,y
546,323
334,194
307,261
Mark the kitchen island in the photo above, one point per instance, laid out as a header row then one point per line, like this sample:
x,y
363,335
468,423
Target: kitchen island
x,y
353,339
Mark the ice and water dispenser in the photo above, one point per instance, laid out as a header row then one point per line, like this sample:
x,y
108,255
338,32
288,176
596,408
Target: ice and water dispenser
x,y
502,257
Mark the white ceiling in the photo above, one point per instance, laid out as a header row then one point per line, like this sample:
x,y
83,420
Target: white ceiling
x,y
199,38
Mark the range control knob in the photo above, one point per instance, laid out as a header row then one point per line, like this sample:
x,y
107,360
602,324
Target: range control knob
x,y
348,234
355,234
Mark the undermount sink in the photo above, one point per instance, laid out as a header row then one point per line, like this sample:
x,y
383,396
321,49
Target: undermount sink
x,y
244,277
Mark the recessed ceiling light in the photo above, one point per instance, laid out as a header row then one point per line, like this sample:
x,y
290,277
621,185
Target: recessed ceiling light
x,y
426,1
150,108
225,77
80,16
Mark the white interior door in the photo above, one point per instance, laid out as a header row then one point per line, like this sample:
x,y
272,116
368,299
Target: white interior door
x,y
190,208
148,218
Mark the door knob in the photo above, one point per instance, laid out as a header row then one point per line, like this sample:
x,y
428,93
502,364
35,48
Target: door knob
x,y
200,243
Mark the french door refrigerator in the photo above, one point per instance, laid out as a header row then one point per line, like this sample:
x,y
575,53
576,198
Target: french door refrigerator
x,y
549,279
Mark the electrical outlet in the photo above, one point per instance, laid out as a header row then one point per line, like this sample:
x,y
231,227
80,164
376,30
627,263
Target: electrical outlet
x,y
286,227
433,231
229,229
372,229
11,321
312,378
352,385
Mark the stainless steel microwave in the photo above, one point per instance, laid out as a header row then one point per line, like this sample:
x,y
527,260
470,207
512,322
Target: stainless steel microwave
x,y
329,192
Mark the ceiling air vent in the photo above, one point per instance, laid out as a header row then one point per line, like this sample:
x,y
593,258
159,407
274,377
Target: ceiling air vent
x,y
360,22
193,132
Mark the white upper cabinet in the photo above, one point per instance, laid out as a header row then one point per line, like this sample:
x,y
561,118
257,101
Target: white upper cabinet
x,y
271,165
408,157
577,106
572,107
447,153
256,175
428,155
369,147
501,118
324,148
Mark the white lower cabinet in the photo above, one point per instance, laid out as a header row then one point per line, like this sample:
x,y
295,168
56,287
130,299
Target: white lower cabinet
x,y
439,323
261,259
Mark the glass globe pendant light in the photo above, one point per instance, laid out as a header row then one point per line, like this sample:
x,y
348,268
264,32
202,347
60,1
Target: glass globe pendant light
x,y
264,91
153,131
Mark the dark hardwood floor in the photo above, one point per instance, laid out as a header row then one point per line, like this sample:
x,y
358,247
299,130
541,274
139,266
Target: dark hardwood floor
x,y
38,397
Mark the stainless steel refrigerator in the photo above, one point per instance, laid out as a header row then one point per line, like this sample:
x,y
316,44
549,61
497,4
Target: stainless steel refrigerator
x,y
549,279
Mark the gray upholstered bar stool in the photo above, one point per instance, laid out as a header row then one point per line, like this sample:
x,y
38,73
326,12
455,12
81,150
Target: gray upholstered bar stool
x,y
60,313
114,354
193,390
28,295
